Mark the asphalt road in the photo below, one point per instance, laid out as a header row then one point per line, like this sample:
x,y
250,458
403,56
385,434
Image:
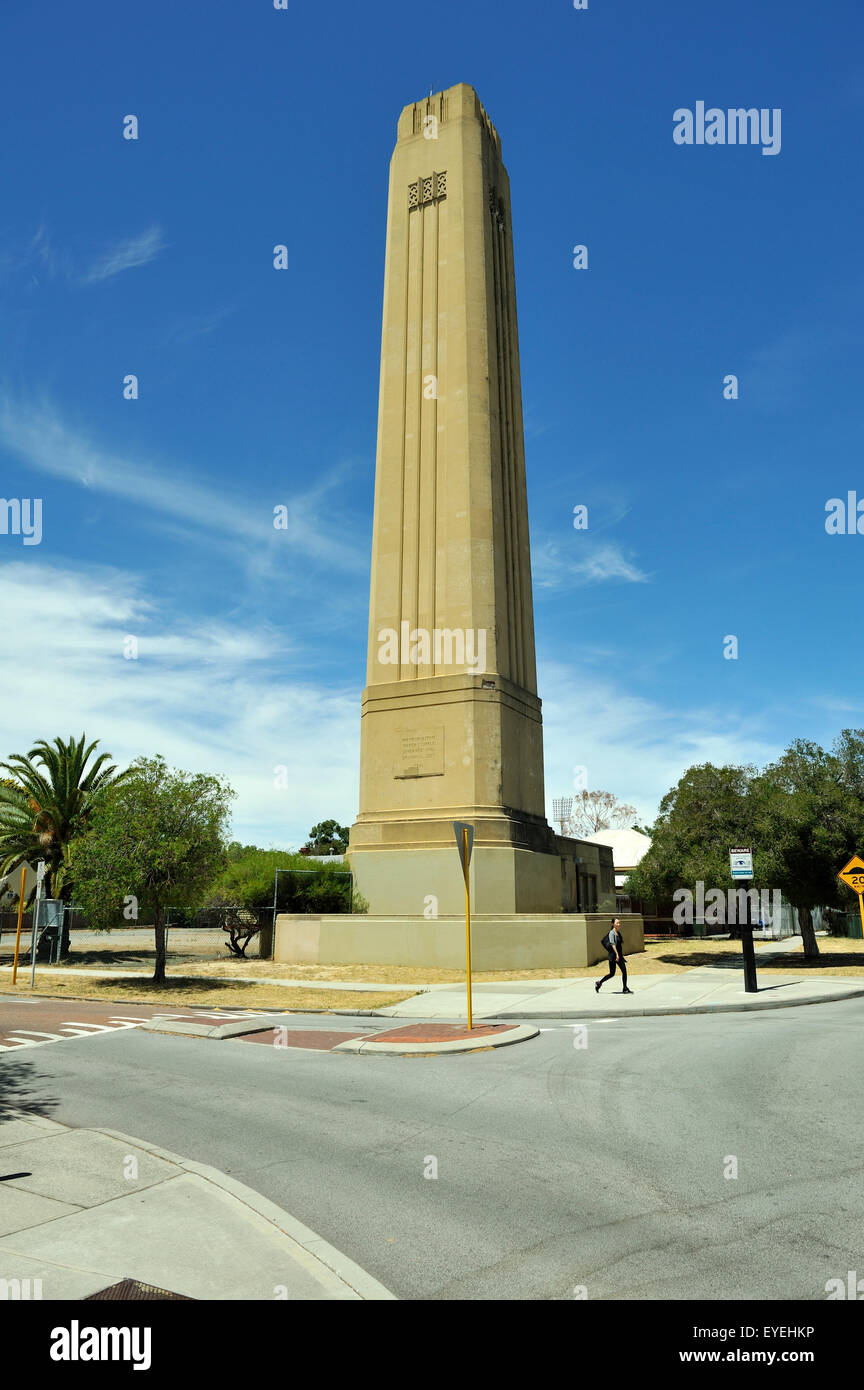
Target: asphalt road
x,y
558,1166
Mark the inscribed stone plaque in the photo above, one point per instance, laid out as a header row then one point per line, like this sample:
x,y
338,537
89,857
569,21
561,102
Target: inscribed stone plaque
x,y
421,753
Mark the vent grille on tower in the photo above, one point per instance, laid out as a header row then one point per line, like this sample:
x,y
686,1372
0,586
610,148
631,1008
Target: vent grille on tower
x,y
427,190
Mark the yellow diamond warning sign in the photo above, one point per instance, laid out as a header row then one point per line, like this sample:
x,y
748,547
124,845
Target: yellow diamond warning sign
x,y
853,874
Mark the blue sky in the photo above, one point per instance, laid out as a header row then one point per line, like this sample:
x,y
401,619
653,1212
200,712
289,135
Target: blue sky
x,y
259,388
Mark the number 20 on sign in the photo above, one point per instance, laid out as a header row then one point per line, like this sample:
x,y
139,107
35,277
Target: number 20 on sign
x,y
853,875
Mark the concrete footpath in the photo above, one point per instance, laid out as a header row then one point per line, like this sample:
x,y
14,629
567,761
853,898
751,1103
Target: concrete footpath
x,y
83,1209
698,989
706,990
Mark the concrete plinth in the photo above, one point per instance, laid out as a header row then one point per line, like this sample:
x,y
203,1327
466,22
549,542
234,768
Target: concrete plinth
x,y
507,942
410,882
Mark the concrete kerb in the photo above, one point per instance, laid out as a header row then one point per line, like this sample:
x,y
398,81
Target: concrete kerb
x,y
513,1035
745,1006
262,1023
504,1011
315,1250
255,1023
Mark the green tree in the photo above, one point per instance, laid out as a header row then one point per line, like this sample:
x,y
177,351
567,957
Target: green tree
x,y
156,839
810,820
247,879
803,815
707,813
46,803
237,851
328,837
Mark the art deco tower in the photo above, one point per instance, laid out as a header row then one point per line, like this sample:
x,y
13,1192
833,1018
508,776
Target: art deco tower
x,y
446,734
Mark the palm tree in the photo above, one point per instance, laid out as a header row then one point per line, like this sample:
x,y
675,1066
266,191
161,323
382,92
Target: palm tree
x,y
46,803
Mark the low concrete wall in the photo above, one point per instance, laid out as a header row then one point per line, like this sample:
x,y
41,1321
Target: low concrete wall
x,y
497,943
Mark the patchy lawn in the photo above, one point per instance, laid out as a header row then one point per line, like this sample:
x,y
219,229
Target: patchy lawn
x,y
180,991
838,956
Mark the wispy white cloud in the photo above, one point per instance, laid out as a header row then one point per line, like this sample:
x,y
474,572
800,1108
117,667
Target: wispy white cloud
x,y
38,436
581,563
43,255
837,704
43,249
126,255
215,698
207,696
40,254
634,746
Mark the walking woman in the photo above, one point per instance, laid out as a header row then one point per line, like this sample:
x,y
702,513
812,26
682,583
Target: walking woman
x,y
613,941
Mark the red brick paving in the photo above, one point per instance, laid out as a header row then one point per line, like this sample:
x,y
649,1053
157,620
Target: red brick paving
x,y
315,1039
439,1032
49,1015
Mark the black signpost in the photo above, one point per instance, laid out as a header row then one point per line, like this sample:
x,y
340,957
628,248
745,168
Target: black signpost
x,y
750,985
740,861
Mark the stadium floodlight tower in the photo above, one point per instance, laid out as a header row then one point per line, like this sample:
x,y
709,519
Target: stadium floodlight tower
x,y
561,808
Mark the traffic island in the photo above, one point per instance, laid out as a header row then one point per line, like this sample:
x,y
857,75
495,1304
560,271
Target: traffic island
x,y
440,1037
281,1031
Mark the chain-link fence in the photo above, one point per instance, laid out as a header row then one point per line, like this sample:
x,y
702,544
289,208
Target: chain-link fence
x,y
56,920
234,926
8,930
231,929
313,890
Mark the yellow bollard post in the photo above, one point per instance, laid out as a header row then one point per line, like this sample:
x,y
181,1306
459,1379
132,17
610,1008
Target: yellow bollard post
x,y
20,916
467,923
861,910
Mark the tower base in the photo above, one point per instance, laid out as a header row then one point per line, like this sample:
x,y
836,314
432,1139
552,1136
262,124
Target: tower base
x,y
427,881
517,941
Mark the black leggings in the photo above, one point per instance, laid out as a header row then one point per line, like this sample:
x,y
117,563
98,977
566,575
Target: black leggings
x,y
612,963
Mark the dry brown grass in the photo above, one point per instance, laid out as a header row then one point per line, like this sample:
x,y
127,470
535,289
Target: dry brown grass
x,y
181,991
353,974
838,956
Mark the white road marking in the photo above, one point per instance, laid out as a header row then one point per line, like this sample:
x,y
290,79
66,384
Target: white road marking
x,y
77,1028
34,1042
563,1027
32,1037
74,1026
32,1032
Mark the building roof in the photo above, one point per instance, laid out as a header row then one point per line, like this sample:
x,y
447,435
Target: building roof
x,y
628,846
